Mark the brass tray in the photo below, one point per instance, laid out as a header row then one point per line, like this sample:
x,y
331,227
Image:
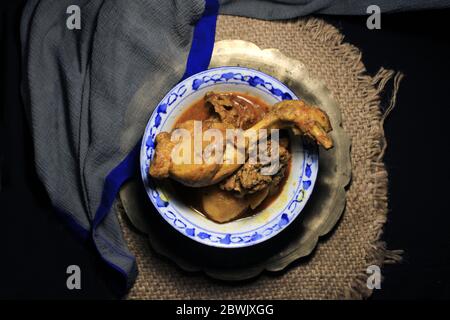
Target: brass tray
x,y
299,239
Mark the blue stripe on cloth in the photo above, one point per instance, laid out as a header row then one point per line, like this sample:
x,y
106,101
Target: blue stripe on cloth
x,y
203,40
125,170
198,60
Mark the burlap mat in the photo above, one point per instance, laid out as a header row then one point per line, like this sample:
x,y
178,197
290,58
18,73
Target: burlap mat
x,y
338,266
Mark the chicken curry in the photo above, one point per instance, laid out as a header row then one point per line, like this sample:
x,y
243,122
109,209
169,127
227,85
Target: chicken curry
x,y
228,190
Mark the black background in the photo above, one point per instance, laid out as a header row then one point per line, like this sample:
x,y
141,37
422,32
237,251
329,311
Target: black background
x,y
36,248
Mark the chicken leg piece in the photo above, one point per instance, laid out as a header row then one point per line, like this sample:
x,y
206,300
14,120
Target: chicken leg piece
x,y
303,119
190,173
309,121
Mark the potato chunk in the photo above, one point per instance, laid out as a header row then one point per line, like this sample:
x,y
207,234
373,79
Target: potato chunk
x,y
222,206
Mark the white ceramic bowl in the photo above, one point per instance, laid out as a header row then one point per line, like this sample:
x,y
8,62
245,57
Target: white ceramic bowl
x,y
251,230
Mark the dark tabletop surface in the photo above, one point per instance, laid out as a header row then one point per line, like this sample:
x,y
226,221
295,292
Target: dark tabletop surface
x,y
36,248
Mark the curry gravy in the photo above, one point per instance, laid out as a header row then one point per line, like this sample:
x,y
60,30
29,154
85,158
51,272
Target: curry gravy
x,y
200,111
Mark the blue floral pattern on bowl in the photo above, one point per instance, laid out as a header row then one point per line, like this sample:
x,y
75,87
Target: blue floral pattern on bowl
x,y
176,216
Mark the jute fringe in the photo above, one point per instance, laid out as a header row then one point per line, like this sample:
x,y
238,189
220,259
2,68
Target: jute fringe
x,y
371,88
338,268
376,251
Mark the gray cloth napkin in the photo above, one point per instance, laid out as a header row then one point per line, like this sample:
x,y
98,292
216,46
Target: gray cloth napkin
x,y
288,9
90,92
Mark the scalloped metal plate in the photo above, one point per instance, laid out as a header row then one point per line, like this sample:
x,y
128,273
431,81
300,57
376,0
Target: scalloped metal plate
x,y
321,213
